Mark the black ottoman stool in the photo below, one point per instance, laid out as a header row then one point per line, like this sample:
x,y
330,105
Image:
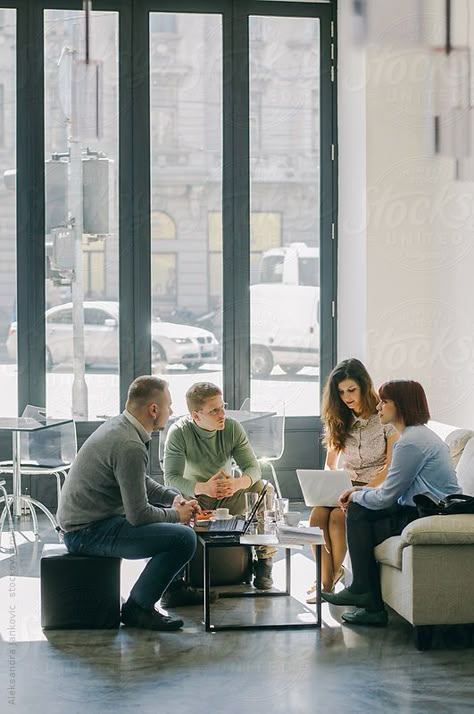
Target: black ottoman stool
x,y
79,592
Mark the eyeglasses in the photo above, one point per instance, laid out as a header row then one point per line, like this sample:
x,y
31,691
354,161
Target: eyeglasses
x,y
217,410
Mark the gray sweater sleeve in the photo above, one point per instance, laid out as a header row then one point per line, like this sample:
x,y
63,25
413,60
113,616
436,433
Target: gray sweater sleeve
x,y
130,472
159,495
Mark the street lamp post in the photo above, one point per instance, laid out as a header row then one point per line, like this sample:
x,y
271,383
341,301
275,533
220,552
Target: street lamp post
x,y
79,385
75,193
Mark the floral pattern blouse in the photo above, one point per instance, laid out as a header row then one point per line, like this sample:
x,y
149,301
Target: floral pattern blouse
x,y
365,451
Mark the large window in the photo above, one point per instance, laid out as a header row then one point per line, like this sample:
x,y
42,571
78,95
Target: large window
x,y
284,161
186,185
8,254
176,202
81,152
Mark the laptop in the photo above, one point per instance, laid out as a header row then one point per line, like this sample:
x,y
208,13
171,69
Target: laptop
x,y
322,487
237,525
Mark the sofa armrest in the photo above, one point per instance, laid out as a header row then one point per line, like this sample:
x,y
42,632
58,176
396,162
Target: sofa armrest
x,y
440,530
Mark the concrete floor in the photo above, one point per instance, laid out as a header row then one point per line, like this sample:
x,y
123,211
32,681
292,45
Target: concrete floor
x,y
293,671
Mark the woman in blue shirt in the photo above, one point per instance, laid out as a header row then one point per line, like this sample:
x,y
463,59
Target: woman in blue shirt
x,y
420,464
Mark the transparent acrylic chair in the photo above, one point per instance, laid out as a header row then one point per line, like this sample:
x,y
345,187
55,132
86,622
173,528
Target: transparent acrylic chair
x,y
266,433
48,452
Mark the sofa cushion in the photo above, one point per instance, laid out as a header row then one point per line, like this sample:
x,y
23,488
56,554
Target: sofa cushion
x,y
390,551
457,440
465,469
440,530
441,429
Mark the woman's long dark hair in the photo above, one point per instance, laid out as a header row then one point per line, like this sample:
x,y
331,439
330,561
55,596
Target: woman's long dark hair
x,y
336,416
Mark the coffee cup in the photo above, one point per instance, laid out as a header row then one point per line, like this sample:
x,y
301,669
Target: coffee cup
x,y
222,513
292,518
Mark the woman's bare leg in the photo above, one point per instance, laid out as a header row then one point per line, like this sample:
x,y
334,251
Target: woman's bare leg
x,y
337,533
320,516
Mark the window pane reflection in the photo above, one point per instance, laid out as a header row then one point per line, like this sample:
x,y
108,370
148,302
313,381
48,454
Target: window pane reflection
x,y
186,166
284,164
81,150
8,351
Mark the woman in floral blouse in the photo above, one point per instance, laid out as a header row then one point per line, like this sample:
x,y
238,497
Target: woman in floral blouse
x,y
356,441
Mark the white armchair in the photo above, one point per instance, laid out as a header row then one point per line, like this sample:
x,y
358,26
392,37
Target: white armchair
x,y
427,572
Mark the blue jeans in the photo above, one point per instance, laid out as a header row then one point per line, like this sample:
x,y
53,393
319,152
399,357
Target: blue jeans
x,y
168,545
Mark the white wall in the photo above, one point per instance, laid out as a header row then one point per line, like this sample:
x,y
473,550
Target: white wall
x,y
352,222
415,253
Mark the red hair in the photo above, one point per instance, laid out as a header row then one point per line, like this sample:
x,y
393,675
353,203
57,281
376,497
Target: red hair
x,y
409,398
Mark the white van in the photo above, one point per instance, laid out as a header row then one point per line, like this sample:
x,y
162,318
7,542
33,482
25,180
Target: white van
x,y
294,264
284,328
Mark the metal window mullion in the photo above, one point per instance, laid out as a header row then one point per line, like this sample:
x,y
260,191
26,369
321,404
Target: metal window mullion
x,y
140,101
236,207
134,196
289,9
30,202
328,196
125,183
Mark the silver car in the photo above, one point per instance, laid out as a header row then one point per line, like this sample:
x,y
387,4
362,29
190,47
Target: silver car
x,y
171,343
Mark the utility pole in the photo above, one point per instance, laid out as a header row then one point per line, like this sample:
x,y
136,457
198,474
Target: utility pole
x,y
80,75
79,385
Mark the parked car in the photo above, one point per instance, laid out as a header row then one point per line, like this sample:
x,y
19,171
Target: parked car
x,y
171,343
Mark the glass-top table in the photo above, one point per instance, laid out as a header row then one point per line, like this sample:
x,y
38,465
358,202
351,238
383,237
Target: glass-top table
x,y
209,541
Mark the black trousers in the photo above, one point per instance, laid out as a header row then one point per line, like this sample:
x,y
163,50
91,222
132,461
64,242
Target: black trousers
x,y
367,528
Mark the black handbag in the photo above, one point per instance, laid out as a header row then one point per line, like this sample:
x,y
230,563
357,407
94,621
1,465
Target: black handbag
x,y
428,505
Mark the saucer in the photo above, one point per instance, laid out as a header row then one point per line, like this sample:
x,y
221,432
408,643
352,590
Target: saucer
x,y
225,518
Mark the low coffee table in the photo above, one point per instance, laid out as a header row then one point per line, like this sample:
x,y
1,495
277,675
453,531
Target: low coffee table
x,y
209,541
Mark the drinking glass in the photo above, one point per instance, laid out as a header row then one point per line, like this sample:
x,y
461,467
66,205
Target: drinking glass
x,y
282,505
270,507
250,501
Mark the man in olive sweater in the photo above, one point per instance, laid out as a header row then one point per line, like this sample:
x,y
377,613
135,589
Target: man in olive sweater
x,y
197,461
110,507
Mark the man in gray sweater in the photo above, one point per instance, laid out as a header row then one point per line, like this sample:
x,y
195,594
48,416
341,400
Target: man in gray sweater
x,y
110,507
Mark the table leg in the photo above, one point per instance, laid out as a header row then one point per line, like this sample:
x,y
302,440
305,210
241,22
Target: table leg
x,y
288,570
16,474
207,584
318,583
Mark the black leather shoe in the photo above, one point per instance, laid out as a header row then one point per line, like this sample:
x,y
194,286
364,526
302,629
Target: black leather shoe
x,y
181,595
346,597
366,617
133,615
